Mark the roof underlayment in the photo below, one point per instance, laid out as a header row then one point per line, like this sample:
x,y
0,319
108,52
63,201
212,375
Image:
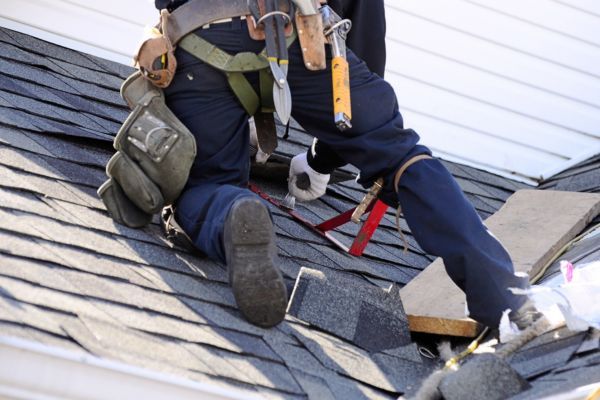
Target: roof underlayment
x,y
72,279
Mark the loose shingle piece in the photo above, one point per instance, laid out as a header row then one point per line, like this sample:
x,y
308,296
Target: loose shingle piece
x,y
352,309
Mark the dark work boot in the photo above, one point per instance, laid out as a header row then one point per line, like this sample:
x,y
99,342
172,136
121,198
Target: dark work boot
x,y
251,254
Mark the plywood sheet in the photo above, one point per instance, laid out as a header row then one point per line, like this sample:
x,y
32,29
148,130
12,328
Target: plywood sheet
x,y
533,225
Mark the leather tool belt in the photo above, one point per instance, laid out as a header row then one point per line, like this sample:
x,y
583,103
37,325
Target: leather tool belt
x,y
155,57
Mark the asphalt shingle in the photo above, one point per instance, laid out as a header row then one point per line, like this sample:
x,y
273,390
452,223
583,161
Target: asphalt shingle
x,y
357,311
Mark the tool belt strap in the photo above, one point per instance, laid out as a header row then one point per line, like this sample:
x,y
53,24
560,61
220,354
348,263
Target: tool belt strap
x,y
197,13
405,166
234,67
219,59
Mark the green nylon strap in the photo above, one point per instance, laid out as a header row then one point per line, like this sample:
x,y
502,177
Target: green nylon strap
x,y
212,55
234,68
243,91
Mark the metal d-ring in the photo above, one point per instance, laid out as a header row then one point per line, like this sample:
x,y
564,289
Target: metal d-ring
x,y
272,13
347,26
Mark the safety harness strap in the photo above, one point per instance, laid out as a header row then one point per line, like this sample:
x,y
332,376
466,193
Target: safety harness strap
x,y
221,60
397,177
405,166
234,67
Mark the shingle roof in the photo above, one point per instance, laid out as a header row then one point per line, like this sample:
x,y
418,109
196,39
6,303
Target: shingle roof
x,y
584,177
72,278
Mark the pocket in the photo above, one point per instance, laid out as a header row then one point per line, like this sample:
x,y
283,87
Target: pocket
x,y
120,208
135,183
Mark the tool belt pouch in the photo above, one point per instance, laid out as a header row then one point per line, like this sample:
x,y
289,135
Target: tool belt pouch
x,y
154,137
312,41
120,208
155,153
135,183
156,58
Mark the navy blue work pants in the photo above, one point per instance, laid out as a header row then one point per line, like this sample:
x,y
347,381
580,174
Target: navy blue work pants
x,y
442,220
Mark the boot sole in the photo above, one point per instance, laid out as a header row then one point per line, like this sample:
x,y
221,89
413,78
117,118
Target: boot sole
x,y
257,284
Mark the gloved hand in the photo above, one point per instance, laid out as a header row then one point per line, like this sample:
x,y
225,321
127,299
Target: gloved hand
x,y
306,189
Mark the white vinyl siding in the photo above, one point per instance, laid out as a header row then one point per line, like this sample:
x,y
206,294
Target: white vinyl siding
x,y
511,86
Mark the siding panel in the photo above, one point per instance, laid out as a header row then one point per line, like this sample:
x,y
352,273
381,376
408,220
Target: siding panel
x,y
513,86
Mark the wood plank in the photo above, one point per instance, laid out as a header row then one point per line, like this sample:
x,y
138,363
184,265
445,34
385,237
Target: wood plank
x,y
533,225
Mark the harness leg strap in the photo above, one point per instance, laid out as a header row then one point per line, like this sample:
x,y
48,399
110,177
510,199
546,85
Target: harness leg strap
x,y
397,177
405,166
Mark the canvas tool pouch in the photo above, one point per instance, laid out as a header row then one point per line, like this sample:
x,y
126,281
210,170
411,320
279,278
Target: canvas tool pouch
x,y
154,137
120,208
135,183
155,152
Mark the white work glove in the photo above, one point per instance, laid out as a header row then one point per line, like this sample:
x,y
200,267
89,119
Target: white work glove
x,y
318,182
255,151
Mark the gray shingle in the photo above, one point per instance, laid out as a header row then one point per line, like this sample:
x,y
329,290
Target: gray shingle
x,y
485,376
344,358
18,139
50,111
296,357
538,359
74,152
84,196
25,332
39,46
28,315
352,309
96,220
553,384
220,317
27,162
90,90
404,375
116,113
120,339
261,372
29,293
33,75
591,343
315,387
121,70
16,119
85,74
408,352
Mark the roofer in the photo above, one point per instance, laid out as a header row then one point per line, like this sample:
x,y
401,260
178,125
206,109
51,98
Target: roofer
x,y
219,81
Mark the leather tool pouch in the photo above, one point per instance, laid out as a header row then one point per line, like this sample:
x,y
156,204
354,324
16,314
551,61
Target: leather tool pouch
x,y
312,41
155,154
156,57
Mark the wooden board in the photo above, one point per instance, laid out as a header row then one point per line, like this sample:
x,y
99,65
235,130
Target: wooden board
x,y
533,225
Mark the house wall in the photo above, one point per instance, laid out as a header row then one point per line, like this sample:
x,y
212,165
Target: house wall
x,y
510,86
